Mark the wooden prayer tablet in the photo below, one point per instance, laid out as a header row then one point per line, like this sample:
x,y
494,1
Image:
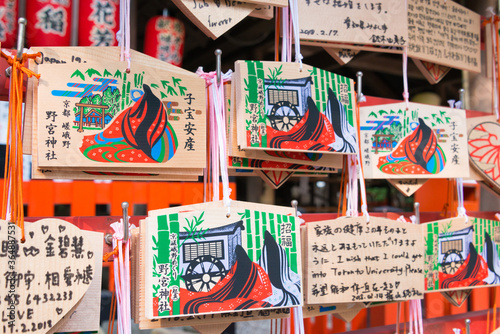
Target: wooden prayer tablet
x,y
483,149
46,276
457,297
79,55
263,12
215,17
275,3
281,107
422,142
341,55
444,33
461,255
350,261
85,316
407,186
244,163
208,261
432,72
95,114
354,22
317,160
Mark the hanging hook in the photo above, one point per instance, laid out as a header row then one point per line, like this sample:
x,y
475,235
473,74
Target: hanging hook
x,y
359,75
125,221
417,212
20,37
218,54
295,205
461,94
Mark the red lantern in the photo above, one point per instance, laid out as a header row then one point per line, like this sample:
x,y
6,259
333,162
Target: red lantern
x,y
8,23
164,39
48,22
99,21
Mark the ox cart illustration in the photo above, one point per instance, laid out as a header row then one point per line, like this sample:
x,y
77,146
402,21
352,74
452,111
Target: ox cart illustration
x,y
454,249
205,262
286,101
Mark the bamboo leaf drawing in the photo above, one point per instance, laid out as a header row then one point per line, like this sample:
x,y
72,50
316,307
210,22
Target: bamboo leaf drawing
x,y
79,74
155,86
163,95
373,114
90,72
176,81
171,91
165,83
182,90
106,73
194,231
446,228
118,74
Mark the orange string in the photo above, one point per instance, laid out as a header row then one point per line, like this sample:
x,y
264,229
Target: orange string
x,y
12,190
106,256
494,308
112,312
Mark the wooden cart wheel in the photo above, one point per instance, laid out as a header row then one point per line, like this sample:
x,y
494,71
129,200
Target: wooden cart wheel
x,y
452,261
284,116
203,273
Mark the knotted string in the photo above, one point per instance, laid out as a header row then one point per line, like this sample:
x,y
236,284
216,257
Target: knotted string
x,y
286,46
361,174
460,181
294,13
406,93
123,35
12,206
416,306
290,28
352,187
218,134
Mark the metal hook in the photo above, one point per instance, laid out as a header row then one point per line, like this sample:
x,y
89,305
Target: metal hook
x,y
20,37
461,94
417,211
125,221
295,205
218,54
359,75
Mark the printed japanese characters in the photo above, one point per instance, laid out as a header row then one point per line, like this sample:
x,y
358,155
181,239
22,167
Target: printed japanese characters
x,y
421,142
349,261
99,115
201,261
45,277
461,255
282,108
